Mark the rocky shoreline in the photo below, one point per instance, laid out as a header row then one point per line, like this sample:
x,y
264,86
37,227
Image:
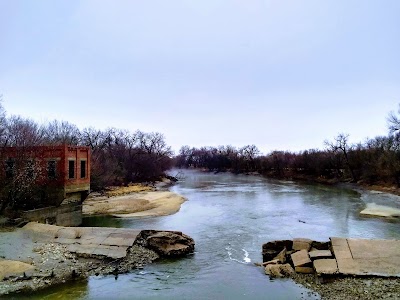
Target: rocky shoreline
x,y
369,288
339,269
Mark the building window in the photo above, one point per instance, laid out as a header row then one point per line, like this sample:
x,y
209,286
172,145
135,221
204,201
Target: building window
x,y
51,169
83,168
71,169
10,165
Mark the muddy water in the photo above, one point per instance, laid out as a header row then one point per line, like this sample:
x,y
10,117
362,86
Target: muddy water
x,y
230,217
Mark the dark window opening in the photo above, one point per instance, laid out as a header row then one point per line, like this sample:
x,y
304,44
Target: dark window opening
x,y
51,169
10,164
71,169
83,169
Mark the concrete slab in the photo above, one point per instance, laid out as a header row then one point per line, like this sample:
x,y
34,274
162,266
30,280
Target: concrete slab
x,y
301,258
348,266
336,241
65,241
119,241
101,250
367,257
109,242
326,266
82,249
320,254
117,252
366,249
301,244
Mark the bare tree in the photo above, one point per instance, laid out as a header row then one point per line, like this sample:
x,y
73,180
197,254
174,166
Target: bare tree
x,y
24,132
62,132
340,145
3,125
394,121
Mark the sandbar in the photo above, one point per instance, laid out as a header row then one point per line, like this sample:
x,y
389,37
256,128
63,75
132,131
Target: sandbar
x,y
142,204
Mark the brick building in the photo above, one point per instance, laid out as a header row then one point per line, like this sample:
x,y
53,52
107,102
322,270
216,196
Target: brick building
x,y
56,179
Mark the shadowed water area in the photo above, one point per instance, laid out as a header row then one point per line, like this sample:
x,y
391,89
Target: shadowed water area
x,y
230,217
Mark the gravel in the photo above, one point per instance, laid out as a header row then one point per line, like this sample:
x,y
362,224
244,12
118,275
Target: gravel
x,y
364,288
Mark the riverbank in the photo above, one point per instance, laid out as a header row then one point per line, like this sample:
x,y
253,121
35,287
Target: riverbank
x,y
40,255
370,288
339,269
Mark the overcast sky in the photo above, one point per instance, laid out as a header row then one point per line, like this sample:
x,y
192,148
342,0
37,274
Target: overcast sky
x,y
279,74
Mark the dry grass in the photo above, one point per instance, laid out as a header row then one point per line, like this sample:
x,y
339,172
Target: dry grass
x,y
124,190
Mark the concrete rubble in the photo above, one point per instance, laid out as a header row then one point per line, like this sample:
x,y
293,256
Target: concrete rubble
x,y
59,254
340,256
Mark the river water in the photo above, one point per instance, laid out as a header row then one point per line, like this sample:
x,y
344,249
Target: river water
x,y
230,217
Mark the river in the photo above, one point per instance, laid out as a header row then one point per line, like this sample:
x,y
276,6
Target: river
x,y
230,217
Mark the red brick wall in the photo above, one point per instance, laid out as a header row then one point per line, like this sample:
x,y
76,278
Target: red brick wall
x,y
77,154
61,154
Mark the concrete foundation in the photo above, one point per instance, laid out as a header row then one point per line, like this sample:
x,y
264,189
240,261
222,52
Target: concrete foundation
x,y
64,215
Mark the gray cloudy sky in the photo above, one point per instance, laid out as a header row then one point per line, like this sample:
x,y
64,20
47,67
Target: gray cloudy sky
x,y
279,74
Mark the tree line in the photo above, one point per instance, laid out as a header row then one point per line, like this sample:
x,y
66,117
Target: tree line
x,y
375,161
118,156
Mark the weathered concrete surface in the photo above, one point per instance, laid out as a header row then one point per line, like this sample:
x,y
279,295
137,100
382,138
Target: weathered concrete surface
x,y
319,254
12,268
301,258
325,266
301,244
367,257
109,242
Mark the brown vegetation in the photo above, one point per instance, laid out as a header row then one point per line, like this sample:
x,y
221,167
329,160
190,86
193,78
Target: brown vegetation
x,y
374,162
118,157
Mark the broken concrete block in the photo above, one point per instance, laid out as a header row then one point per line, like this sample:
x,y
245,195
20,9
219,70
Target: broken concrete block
x,y
301,258
281,256
325,266
320,254
273,270
287,270
279,270
302,244
271,262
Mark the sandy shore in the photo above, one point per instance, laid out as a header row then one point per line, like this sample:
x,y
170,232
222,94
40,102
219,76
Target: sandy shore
x,y
142,204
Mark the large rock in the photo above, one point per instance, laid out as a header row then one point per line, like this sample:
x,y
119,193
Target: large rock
x,y
271,249
166,243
